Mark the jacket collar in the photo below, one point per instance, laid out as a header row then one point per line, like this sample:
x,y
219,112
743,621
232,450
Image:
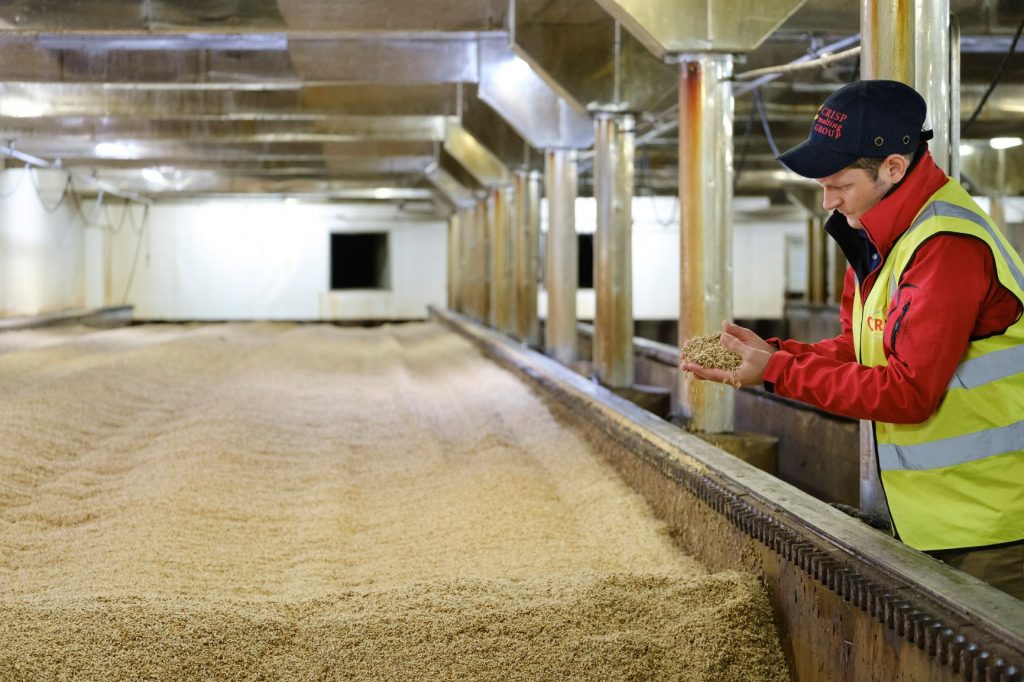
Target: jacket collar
x,y
887,220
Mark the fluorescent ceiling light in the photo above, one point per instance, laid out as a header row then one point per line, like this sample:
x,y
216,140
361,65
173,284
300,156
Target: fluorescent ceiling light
x,y
21,107
116,150
165,41
154,176
1005,142
966,150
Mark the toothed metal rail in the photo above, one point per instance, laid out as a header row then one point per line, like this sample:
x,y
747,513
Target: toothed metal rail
x,y
851,603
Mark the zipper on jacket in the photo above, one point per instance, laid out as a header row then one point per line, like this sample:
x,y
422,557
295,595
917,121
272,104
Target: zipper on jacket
x,y
896,327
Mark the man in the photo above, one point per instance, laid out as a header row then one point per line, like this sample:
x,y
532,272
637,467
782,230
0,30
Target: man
x,y
932,343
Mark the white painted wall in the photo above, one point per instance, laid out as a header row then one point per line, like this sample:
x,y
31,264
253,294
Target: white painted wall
x,y
262,259
759,257
759,253
269,259
42,266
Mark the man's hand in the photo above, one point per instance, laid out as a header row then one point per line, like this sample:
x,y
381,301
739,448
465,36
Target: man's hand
x,y
753,351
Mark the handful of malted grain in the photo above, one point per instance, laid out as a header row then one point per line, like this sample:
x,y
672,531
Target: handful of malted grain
x,y
708,351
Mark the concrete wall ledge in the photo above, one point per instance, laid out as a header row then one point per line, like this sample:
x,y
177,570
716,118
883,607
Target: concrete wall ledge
x,y
96,317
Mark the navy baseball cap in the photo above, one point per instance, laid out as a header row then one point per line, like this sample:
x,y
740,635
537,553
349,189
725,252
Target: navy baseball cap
x,y
865,118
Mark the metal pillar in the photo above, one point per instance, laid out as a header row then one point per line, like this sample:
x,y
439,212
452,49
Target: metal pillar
x,y
481,266
467,242
705,224
501,261
613,252
527,248
817,261
561,272
908,41
932,77
468,248
887,40
491,320
454,260
837,272
954,98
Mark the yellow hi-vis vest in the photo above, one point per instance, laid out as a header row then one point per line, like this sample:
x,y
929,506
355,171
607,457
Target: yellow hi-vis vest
x,y
957,479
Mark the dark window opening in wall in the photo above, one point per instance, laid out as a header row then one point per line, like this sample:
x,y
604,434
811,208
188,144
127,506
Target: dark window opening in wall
x,y
360,261
585,249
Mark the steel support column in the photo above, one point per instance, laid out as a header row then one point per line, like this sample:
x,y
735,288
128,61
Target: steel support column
x,y
561,272
887,40
907,41
454,261
705,224
527,247
469,238
501,261
932,59
817,261
467,242
613,252
481,266
837,272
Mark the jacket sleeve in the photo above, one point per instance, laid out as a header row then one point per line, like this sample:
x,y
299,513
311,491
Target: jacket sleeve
x,y
940,297
839,347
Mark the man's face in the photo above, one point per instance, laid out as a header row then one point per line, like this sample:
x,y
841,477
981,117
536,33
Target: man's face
x,y
853,193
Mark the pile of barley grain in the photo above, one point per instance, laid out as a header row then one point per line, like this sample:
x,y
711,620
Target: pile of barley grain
x,y
708,351
286,502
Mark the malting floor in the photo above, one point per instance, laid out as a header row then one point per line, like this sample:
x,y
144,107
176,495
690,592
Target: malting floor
x,y
297,502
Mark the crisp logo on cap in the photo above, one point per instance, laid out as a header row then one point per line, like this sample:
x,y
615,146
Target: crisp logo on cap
x,y
829,122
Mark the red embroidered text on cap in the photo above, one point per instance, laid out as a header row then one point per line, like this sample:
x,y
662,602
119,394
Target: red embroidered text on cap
x,y
829,123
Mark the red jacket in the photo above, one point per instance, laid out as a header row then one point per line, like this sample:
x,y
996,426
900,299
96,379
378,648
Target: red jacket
x,y
955,297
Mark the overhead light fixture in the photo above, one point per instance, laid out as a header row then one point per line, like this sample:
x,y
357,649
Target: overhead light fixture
x,y
171,178
1005,142
21,107
116,150
966,150
251,42
154,176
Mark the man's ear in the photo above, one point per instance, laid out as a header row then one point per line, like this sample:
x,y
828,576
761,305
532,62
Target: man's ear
x,y
895,167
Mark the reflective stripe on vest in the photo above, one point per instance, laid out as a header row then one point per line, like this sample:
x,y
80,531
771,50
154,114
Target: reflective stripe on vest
x,y
995,365
950,451
944,208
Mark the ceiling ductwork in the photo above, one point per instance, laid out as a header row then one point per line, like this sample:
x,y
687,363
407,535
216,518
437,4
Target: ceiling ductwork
x,y
587,57
475,157
668,27
539,114
171,98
